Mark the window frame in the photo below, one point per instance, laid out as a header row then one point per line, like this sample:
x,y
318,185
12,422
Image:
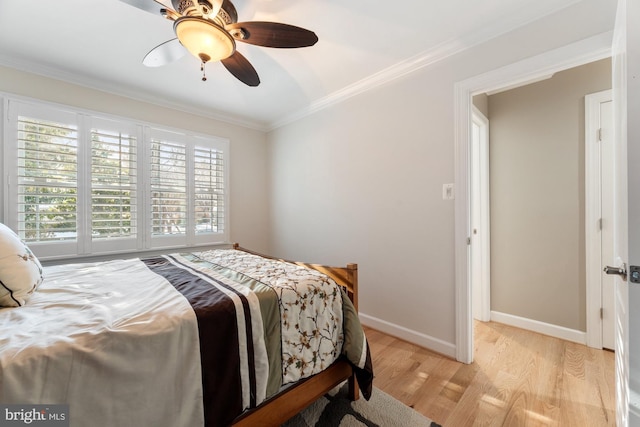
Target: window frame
x,y
84,245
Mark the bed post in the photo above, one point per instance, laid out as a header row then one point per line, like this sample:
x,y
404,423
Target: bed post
x,y
352,278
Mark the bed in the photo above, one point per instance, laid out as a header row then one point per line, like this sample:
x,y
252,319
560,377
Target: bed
x,y
184,339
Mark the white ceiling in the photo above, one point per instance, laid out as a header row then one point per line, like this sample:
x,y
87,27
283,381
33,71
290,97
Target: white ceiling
x,y
101,43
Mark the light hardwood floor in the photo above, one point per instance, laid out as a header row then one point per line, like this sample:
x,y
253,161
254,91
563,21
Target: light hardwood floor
x,y
518,378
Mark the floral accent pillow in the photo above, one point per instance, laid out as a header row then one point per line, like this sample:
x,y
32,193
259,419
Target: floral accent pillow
x,y
20,270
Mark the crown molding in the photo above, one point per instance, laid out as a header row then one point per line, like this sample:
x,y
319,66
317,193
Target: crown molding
x,y
380,78
415,63
385,76
112,89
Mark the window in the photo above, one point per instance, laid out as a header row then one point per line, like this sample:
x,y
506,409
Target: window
x,y
113,184
168,188
209,189
47,177
113,205
86,184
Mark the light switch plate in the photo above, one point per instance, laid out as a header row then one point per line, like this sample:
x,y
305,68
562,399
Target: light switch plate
x,y
448,191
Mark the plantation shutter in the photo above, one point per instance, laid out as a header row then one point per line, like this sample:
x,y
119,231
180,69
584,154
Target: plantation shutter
x,y
209,190
47,176
113,183
79,184
168,185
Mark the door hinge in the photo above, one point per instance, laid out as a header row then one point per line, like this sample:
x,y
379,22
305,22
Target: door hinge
x,y
600,224
600,134
601,313
468,241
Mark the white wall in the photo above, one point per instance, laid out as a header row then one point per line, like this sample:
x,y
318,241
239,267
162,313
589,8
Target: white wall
x,y
361,181
249,170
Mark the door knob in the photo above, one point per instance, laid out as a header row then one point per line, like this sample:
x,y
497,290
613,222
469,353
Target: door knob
x,y
620,271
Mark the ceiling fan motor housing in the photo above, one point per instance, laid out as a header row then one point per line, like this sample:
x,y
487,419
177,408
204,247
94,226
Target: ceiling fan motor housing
x,y
221,11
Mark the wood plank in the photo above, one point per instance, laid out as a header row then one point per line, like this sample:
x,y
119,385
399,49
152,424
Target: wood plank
x,y
518,378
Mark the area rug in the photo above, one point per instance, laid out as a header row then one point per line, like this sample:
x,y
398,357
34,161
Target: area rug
x,y
336,410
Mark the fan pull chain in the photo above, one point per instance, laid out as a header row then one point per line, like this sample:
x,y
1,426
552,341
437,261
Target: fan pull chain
x,y
204,76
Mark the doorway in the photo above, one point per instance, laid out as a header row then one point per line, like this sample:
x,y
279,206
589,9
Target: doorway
x,y
538,204
540,138
515,74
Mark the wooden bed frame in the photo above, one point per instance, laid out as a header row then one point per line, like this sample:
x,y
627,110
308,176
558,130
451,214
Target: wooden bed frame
x,y
297,397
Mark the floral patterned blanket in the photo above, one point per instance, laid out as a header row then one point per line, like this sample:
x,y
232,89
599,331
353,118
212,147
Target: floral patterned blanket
x,y
292,322
310,305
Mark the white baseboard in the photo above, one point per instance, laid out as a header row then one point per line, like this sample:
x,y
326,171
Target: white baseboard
x,y
540,327
634,408
449,349
426,341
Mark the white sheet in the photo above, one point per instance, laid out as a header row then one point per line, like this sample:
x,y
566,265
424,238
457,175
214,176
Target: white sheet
x,y
116,342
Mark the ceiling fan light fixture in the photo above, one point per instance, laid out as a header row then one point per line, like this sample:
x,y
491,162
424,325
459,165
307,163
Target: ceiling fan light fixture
x,y
204,39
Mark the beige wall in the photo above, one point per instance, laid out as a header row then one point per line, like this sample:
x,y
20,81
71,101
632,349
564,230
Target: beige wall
x,y
361,181
249,169
538,197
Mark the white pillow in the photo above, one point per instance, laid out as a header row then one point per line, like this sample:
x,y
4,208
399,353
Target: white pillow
x,y
20,270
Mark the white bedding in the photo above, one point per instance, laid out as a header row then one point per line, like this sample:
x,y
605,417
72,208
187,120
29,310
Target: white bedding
x,y
119,333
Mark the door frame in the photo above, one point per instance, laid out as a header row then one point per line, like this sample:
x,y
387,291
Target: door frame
x,y
522,72
593,215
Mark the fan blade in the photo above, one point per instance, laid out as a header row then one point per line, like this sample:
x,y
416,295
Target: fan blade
x,y
272,34
242,69
163,54
152,6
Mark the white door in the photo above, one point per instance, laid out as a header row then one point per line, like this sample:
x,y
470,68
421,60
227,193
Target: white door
x,y
480,256
626,98
607,211
631,250
599,190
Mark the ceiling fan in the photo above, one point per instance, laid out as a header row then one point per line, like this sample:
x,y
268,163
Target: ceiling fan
x,y
209,29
